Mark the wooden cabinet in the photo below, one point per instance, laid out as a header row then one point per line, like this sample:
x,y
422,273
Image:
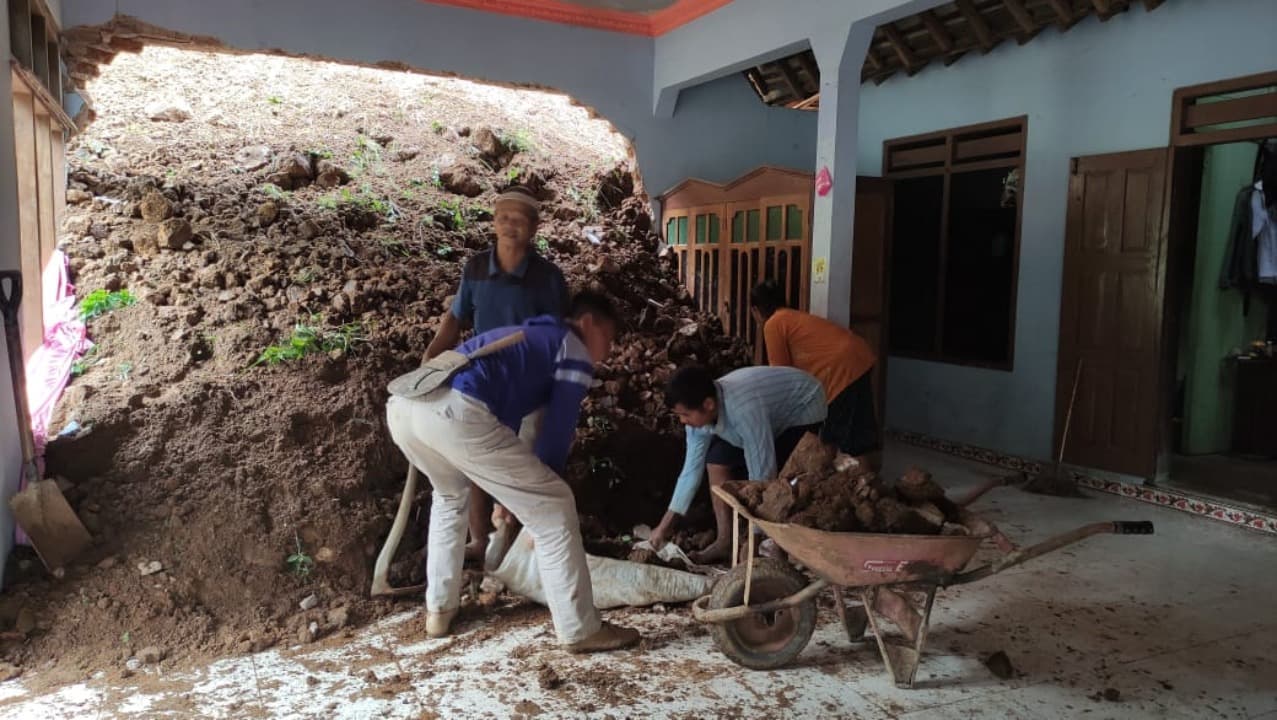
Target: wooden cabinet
x,y
728,238
1255,408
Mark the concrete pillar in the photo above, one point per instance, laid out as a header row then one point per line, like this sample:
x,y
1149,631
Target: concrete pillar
x,y
840,54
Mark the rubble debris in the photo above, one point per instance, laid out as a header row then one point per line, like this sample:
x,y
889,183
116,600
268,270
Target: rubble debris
x,y
818,496
309,602
151,655
175,110
229,465
150,568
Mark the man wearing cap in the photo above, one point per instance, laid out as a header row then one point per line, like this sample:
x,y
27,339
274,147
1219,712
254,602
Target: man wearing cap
x,y
501,287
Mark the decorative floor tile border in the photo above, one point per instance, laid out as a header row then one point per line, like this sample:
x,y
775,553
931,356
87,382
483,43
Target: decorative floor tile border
x,y
1173,499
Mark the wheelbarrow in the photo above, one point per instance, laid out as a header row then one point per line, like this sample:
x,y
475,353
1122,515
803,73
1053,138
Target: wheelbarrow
x,y
763,611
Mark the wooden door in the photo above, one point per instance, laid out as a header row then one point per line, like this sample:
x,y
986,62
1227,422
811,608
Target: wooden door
x,y
1111,311
870,272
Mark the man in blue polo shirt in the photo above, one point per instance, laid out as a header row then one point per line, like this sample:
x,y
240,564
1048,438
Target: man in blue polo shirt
x,y
500,287
464,432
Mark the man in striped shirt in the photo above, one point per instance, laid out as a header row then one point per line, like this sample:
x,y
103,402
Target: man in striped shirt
x,y
742,426
465,432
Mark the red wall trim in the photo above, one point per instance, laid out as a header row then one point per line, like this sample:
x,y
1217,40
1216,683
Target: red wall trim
x,y
633,23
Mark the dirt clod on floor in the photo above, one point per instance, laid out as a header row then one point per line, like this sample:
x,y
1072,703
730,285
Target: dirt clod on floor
x,y
232,455
812,492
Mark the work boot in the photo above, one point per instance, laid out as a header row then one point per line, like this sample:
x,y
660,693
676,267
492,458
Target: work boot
x,y
607,637
438,623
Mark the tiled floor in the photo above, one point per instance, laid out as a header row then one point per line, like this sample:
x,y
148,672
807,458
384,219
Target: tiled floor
x,y
1175,625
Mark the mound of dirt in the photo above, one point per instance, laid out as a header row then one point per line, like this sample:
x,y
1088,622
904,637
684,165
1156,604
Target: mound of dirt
x,y
233,417
827,491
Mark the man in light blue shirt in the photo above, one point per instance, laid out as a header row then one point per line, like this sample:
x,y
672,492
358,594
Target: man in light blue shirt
x,y
743,426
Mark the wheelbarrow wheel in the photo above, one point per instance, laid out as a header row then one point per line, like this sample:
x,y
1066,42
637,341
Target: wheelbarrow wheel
x,y
761,641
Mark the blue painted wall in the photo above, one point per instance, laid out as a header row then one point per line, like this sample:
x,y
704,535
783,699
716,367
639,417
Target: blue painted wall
x,y
719,130
1100,88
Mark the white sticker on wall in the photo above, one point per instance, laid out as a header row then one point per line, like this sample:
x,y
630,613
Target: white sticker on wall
x,y
818,269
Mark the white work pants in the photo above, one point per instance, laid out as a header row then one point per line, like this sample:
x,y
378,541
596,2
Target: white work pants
x,y
454,440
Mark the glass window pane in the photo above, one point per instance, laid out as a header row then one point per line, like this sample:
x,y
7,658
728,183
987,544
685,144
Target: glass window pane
x,y
700,229
774,220
751,226
738,226
915,264
682,230
793,223
713,228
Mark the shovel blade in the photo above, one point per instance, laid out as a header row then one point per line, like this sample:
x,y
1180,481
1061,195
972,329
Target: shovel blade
x,y
46,517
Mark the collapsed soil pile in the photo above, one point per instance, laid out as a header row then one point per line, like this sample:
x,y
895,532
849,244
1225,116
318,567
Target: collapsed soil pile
x,y
291,233
827,491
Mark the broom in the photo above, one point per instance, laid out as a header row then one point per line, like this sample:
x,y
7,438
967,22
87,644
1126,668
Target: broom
x,y
1054,479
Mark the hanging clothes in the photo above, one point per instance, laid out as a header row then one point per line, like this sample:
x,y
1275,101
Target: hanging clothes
x,y
1241,269
1263,224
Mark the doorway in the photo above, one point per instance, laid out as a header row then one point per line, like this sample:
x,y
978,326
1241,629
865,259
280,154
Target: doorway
x,y
1218,433
1224,402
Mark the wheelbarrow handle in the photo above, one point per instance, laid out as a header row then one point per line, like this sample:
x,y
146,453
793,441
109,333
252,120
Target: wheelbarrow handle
x,y
1022,555
10,294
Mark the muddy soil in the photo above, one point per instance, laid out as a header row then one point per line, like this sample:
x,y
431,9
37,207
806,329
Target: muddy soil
x,y
306,199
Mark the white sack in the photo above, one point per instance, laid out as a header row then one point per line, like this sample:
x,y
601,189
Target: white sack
x,y
617,583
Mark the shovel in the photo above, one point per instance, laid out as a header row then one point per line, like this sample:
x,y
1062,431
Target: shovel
x,y
40,509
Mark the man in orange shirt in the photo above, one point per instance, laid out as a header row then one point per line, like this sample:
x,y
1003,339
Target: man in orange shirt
x,y
841,360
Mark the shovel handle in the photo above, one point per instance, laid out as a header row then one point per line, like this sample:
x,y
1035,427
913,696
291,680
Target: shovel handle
x,y
10,294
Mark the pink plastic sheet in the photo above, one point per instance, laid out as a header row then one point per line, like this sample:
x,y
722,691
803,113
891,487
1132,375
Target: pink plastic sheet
x,y
49,369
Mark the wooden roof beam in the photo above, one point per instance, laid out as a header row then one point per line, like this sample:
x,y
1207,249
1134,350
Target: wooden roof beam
x,y
1064,11
807,60
979,27
791,79
871,58
903,51
936,29
1021,15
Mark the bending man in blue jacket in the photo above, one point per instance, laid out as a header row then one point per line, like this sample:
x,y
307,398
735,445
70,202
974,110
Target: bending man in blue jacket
x,y
465,432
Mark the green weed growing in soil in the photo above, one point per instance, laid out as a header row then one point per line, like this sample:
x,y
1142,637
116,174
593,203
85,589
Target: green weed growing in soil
x,y
88,360
543,245
587,200
519,141
299,563
453,207
275,192
322,153
395,245
437,127
275,100
307,339
124,370
367,156
101,302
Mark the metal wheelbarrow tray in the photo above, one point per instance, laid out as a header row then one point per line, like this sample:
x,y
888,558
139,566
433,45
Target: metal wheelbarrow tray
x,y
763,612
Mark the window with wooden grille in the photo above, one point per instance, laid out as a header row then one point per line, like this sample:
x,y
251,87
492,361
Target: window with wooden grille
x,y
956,243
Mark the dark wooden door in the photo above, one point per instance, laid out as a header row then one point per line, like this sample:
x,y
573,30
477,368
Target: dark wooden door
x,y
1111,311
870,270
